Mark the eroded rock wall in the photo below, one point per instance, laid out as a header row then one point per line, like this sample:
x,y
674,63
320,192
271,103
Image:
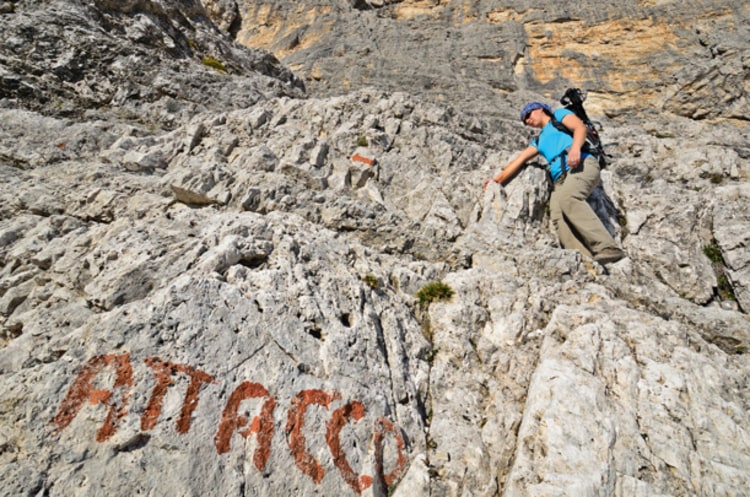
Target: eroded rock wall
x,y
690,59
212,275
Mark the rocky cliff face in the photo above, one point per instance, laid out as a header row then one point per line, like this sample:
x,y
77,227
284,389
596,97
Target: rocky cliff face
x,y
690,59
272,270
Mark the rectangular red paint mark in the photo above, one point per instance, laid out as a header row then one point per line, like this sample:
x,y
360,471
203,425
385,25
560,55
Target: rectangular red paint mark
x,y
360,158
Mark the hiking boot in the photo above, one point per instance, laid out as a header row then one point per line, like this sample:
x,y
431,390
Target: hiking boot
x,y
609,255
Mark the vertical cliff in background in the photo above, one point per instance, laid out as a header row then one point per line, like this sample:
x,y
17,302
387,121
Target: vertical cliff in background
x,y
635,56
244,250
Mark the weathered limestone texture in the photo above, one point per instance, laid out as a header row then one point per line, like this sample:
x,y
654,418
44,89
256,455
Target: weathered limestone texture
x,y
690,58
229,272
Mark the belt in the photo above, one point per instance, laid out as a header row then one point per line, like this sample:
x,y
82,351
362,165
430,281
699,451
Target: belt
x,y
561,179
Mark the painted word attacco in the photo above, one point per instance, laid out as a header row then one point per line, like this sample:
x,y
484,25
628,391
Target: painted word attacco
x,y
83,391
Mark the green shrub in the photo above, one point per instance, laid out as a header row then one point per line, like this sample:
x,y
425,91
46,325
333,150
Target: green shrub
x,y
214,63
362,141
434,291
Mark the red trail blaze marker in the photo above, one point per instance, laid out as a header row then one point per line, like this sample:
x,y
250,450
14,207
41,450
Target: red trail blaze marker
x,y
361,158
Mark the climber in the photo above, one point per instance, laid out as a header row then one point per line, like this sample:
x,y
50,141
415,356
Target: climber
x,y
574,175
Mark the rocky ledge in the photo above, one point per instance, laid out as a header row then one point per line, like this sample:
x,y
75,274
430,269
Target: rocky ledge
x,y
214,281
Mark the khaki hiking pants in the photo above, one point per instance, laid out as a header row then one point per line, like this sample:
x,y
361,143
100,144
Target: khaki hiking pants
x,y
576,223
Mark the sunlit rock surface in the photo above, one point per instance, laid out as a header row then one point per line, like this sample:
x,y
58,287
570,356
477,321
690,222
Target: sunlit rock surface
x,y
214,256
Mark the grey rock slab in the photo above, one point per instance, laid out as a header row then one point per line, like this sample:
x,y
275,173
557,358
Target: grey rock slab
x,y
731,224
298,332
210,276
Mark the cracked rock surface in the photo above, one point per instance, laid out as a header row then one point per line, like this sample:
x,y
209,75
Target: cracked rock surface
x,y
215,259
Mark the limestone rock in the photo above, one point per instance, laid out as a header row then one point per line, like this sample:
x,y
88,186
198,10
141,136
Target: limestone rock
x,y
688,59
731,233
213,280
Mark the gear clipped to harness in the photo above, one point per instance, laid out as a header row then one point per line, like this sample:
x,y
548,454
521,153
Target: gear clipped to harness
x,y
573,100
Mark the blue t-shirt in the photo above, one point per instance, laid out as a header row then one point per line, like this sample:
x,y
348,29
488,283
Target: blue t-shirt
x,y
552,143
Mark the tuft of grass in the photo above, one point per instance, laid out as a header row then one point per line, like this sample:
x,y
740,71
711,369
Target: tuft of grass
x,y
713,252
362,141
724,287
371,281
430,355
213,63
434,291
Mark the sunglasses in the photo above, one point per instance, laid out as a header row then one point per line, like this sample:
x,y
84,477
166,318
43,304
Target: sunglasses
x,y
526,116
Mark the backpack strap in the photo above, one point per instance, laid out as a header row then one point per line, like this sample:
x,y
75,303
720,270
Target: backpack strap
x,y
592,145
561,127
